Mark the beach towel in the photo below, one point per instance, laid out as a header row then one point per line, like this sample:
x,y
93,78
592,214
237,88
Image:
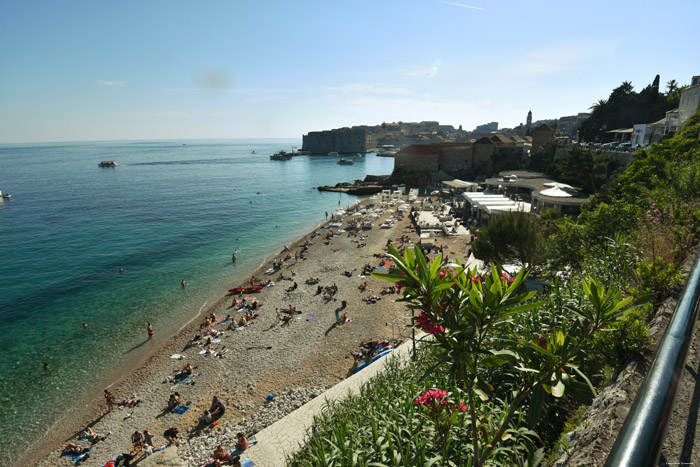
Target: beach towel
x,y
177,356
77,458
215,341
247,462
311,317
250,298
180,409
380,267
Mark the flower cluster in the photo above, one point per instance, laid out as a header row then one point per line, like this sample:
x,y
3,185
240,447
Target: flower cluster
x,y
427,398
654,214
426,324
439,397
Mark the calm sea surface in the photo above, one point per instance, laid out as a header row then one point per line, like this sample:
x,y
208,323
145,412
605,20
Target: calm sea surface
x,y
171,210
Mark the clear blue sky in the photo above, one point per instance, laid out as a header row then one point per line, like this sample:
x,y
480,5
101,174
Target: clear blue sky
x,y
96,70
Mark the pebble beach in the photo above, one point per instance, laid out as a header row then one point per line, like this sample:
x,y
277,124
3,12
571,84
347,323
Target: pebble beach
x,y
294,360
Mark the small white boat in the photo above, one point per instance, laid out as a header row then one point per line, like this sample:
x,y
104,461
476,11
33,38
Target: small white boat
x,y
359,154
107,164
333,153
346,162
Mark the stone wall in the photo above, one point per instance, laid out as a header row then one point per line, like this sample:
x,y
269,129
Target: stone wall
x,y
415,163
454,160
343,140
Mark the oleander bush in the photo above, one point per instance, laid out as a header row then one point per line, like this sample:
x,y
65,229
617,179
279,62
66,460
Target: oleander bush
x,y
496,357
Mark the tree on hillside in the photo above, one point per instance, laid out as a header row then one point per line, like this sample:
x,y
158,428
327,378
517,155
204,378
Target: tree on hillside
x,y
511,238
625,107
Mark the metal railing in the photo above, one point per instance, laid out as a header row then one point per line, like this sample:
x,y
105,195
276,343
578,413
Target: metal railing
x,y
642,435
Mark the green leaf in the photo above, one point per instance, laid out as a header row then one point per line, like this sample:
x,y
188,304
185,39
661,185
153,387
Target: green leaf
x,y
581,391
498,358
536,405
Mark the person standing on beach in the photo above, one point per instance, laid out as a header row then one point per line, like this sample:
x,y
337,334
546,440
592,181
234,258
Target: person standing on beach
x,y
109,398
150,331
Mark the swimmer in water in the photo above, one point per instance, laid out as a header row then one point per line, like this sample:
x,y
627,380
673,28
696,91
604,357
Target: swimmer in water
x,y
183,283
46,367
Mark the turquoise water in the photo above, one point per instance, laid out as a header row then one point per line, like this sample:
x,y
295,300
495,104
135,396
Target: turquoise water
x,y
171,210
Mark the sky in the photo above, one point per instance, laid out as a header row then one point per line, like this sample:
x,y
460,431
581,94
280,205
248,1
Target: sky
x,y
90,70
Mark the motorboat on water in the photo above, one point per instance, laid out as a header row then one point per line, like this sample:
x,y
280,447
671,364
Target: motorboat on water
x,y
359,154
281,156
346,162
4,196
107,164
333,153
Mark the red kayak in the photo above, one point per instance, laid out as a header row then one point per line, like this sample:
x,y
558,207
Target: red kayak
x,y
255,289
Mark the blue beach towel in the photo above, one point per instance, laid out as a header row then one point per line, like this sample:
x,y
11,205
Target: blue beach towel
x,y
77,458
180,409
380,267
311,317
247,462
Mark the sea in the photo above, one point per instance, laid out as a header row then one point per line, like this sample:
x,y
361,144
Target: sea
x,y
108,248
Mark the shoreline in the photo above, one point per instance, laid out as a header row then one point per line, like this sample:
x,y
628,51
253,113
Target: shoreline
x,y
302,355
137,370
66,427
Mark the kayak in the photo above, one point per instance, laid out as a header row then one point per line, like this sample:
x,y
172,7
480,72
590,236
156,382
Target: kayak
x,y
255,289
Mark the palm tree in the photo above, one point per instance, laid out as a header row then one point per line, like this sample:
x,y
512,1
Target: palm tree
x,y
599,106
671,86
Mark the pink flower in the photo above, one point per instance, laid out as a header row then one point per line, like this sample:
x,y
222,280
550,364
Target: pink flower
x,y
443,273
462,407
427,398
653,205
425,323
656,219
648,213
656,211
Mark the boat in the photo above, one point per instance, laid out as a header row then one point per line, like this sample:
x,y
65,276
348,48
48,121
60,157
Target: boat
x,y
386,154
333,153
346,162
107,164
253,151
359,154
281,156
253,289
6,196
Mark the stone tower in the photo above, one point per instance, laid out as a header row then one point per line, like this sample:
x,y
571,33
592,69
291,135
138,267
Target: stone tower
x,y
528,126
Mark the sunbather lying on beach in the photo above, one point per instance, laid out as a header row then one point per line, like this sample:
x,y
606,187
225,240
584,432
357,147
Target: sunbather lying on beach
x,y
222,352
221,457
93,437
74,449
128,402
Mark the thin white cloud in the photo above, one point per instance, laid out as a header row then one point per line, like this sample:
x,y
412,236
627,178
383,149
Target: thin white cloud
x,y
460,4
231,90
360,88
551,60
111,83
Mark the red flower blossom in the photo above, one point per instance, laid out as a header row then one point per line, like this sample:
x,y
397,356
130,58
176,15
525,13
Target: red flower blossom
x,y
426,324
437,395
